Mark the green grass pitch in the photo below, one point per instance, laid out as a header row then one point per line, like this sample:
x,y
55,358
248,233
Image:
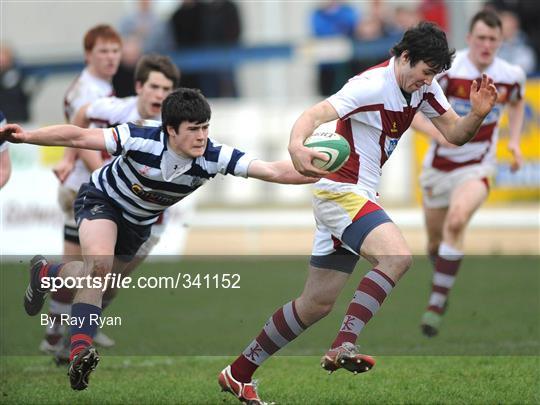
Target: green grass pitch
x,y
173,342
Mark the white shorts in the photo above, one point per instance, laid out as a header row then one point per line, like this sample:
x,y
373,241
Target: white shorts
x,y
336,207
437,186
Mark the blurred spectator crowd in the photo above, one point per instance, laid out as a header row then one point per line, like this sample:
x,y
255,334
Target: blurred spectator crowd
x,y
382,20
214,24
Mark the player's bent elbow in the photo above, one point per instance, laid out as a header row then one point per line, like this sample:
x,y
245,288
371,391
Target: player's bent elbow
x,y
459,142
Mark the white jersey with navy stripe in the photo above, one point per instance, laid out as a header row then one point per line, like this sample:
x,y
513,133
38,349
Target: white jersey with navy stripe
x,y
135,179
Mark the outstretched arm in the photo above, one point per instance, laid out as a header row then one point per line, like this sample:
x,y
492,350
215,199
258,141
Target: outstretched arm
x,y
281,171
56,135
460,130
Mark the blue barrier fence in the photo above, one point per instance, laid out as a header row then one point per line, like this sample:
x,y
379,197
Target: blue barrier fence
x,y
203,59
206,59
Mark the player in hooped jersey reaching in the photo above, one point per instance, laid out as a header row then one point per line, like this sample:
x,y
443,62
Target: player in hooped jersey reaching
x,y
455,180
373,110
156,166
156,76
102,52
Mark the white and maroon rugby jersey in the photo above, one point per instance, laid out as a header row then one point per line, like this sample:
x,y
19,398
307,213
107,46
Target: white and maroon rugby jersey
x,y
456,83
115,111
373,115
85,89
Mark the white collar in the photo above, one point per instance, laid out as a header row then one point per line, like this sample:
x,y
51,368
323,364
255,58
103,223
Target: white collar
x,y
174,165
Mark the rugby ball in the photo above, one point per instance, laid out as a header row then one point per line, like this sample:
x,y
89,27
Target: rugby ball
x,y
331,144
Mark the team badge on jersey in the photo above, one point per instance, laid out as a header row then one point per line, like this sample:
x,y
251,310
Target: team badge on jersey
x,y
390,146
461,92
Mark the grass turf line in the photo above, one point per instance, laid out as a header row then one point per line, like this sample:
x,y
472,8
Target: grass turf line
x,y
284,379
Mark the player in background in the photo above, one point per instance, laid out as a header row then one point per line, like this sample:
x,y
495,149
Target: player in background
x,y
155,78
455,180
373,110
5,162
156,166
102,52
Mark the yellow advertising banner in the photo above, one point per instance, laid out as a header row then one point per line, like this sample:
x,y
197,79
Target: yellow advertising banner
x,y
523,185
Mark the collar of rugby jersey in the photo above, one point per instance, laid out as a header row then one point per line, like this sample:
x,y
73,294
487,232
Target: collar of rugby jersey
x,y
173,165
392,77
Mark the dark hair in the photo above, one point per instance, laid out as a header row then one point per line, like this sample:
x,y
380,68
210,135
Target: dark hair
x,y
185,104
102,31
156,63
488,17
426,42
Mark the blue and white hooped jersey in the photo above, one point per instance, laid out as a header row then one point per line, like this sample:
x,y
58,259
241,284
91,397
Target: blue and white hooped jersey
x,y
135,179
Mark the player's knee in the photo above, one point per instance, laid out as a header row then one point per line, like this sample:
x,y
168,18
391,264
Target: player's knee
x,y
318,312
316,308
397,264
324,308
404,261
456,222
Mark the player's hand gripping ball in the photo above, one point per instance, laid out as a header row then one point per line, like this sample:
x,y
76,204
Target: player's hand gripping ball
x,y
333,145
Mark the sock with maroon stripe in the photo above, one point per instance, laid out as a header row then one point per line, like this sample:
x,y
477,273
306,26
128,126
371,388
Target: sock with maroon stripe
x,y
446,268
281,329
369,296
87,317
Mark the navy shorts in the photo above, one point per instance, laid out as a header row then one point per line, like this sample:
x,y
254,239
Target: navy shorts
x,y
92,204
341,259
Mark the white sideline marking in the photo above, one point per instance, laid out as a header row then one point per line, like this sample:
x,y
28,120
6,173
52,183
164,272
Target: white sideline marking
x,y
405,218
